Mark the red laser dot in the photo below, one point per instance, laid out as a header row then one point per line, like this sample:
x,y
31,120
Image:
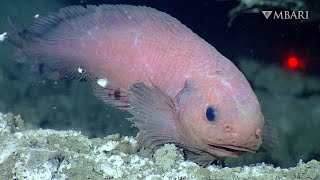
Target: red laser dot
x,y
293,62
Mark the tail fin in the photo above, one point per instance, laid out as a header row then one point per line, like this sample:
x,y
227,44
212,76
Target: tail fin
x,y
14,35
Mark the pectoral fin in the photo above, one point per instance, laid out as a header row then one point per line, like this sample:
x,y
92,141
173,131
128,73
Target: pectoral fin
x,y
154,114
269,137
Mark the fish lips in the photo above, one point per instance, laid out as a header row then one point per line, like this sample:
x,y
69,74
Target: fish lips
x,y
232,150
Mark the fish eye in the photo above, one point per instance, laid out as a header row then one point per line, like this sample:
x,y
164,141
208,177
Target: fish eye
x,y
211,113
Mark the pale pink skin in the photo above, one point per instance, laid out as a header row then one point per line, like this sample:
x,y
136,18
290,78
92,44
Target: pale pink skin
x,y
143,52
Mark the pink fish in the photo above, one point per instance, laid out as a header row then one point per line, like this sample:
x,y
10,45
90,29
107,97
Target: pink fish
x,y
178,87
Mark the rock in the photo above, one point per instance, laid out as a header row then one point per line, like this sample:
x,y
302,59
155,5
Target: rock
x,y
50,154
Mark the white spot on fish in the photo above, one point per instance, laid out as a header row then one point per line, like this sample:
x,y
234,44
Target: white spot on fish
x,y
225,83
80,70
136,39
3,36
103,82
36,16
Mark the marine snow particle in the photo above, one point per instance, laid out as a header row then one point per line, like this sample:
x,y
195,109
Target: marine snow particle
x,y
103,82
80,70
36,16
3,36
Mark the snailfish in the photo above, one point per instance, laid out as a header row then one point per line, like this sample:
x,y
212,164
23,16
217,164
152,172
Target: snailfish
x,y
178,87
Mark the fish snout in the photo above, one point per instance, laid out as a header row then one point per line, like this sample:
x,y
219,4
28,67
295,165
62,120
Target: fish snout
x,y
250,139
249,125
242,126
258,133
254,140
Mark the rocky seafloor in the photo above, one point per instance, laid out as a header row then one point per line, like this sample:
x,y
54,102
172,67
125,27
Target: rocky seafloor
x,y
50,154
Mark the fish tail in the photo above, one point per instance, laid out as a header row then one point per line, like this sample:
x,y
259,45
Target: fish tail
x,y
17,38
34,42
14,36
53,42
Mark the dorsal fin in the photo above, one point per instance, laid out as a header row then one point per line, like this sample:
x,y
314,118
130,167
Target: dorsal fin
x,y
79,18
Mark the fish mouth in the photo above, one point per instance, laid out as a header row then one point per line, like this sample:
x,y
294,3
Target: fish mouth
x,y
230,149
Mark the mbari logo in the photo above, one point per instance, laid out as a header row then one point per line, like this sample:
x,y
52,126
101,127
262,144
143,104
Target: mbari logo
x,y
286,14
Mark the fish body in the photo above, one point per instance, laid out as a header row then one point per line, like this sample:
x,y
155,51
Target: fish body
x,y
178,87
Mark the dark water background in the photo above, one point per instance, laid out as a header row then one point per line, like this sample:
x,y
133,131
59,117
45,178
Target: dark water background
x,y
70,105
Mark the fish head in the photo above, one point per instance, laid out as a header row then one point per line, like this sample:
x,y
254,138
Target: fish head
x,y
225,121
